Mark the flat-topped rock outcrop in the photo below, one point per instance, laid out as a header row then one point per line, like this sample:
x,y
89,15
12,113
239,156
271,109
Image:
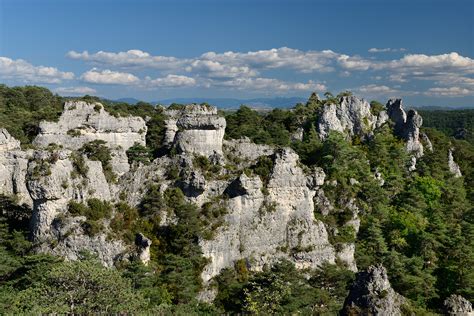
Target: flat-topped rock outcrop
x,y
196,129
83,122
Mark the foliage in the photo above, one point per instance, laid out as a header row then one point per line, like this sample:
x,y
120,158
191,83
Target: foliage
x,y
376,107
453,123
263,168
98,151
139,153
273,128
23,108
282,289
94,211
79,287
209,169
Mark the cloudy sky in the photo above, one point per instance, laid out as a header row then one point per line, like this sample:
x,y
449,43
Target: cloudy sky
x,y
421,50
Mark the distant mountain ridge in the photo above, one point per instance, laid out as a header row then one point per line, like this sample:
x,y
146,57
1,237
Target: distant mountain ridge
x,y
264,103
277,102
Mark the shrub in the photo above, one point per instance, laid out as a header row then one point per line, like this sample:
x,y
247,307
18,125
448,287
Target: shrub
x,y
201,163
376,107
97,107
263,168
98,151
74,132
79,164
94,211
41,169
139,153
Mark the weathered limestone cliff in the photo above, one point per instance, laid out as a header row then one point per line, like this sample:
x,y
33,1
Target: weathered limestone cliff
x,y
52,184
352,116
270,221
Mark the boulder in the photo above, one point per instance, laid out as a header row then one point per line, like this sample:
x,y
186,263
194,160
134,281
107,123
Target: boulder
x,y
372,294
456,305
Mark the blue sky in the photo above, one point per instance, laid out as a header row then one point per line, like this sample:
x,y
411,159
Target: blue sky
x,y
420,50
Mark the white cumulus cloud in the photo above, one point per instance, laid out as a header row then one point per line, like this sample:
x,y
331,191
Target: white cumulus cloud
x,y
75,90
130,58
386,50
171,81
109,77
271,85
23,71
373,90
449,92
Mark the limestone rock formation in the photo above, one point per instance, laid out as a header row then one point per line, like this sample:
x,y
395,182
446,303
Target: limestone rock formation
x,y
456,305
372,294
245,149
13,166
195,129
7,142
352,116
51,186
453,166
269,221
407,126
427,142
143,246
82,122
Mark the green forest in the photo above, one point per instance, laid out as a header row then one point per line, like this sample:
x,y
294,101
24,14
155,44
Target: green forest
x,y
419,225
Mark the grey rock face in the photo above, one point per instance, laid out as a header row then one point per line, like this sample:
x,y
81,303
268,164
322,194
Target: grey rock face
x,y
372,294
7,142
108,251
428,145
268,227
13,167
143,248
456,305
82,122
378,176
407,126
196,129
352,117
245,149
51,187
453,166
316,179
